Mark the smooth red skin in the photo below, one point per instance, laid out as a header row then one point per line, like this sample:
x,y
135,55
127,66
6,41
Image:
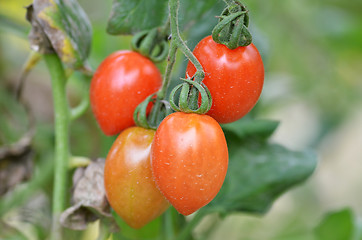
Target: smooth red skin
x,y
122,81
234,77
128,180
189,160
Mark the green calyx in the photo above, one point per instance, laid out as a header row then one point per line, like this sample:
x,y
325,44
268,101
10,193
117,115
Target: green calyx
x,y
161,108
189,94
232,29
152,44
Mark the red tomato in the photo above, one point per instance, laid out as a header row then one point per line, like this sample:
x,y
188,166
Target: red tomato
x,y
128,180
189,160
122,81
234,77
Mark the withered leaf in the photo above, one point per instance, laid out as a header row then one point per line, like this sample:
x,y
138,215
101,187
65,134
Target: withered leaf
x,y
89,198
60,26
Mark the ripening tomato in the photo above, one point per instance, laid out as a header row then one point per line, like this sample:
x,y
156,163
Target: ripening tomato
x,y
189,160
122,81
234,77
130,188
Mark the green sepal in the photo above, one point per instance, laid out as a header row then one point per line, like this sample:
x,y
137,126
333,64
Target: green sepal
x,y
188,99
152,44
140,113
232,29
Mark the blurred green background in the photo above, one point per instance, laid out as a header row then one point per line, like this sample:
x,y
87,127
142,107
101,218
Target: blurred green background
x,y
312,51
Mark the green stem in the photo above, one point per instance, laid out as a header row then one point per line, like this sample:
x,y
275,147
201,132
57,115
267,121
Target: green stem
x,y
187,230
174,6
61,110
79,110
176,42
167,226
78,161
103,231
171,59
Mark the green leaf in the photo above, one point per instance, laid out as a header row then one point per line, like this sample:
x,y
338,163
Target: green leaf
x,y
246,128
338,225
61,26
199,8
260,172
131,16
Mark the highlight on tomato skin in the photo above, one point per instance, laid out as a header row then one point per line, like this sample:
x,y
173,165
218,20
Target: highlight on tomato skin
x,y
121,82
189,160
235,78
130,188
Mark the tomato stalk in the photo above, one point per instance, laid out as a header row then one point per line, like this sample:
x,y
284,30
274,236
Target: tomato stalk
x,y
161,94
171,59
140,112
173,7
177,40
190,89
189,98
62,119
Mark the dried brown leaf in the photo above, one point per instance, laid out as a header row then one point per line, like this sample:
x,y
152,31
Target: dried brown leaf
x,y
89,198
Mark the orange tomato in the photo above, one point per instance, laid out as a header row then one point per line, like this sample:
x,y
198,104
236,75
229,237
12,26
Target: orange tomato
x,y
130,188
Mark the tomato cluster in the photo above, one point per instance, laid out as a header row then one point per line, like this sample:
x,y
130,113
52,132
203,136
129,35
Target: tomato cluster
x,y
184,162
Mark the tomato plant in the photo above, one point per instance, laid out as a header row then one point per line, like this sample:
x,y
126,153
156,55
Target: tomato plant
x,y
128,180
234,77
189,160
121,82
183,163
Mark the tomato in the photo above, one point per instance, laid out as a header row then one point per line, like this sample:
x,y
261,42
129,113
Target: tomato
x,y
189,160
122,81
234,77
130,188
